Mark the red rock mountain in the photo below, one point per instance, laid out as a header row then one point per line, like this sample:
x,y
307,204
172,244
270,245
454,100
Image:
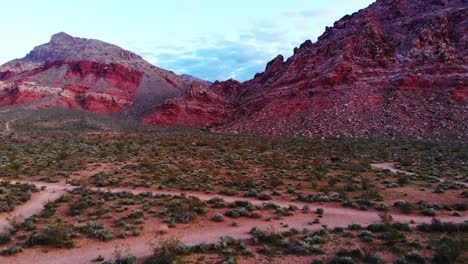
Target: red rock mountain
x,y
398,67
86,74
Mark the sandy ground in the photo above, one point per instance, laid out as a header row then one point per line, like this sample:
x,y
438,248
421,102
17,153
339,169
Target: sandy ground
x,y
86,249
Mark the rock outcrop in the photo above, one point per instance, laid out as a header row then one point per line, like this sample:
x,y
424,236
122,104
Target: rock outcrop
x,y
201,106
396,68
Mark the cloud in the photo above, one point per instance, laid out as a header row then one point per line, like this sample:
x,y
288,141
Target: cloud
x,y
219,61
240,55
319,12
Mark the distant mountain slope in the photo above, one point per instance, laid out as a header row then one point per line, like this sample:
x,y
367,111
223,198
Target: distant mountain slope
x,y
86,74
398,68
15,119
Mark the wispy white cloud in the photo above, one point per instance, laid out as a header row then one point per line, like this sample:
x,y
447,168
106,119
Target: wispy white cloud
x,y
220,59
241,54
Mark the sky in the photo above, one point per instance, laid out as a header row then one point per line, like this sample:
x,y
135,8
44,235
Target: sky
x,y
210,39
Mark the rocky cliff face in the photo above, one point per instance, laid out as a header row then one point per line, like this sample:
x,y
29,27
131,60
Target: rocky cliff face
x,y
202,105
396,68
87,74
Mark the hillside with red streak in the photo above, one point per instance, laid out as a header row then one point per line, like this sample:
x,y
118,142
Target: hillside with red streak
x,y
396,68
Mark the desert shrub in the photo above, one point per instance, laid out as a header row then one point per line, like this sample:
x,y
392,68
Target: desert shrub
x,y
251,193
164,251
275,181
57,233
264,197
217,218
378,227
123,260
449,250
460,207
354,227
373,259
268,236
403,180
338,230
79,205
228,192
271,205
136,214
11,251
187,209
49,209
392,236
401,227
96,229
255,215
438,226
314,239
382,207
341,260
414,257
266,250
224,242
103,235
428,212
235,213
302,247
5,238
242,203
405,207
353,253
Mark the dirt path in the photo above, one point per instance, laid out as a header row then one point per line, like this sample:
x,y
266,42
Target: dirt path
x,y
87,250
33,206
338,211
391,167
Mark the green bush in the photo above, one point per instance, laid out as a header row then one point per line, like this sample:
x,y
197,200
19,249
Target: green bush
x,y
57,233
103,235
342,260
354,227
11,251
264,197
217,218
449,250
405,207
164,251
5,238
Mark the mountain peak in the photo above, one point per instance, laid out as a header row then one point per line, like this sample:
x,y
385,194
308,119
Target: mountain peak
x,y
63,46
62,38
87,74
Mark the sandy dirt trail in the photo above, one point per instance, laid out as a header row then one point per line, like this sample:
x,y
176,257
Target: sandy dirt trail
x,y
391,167
33,206
87,250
